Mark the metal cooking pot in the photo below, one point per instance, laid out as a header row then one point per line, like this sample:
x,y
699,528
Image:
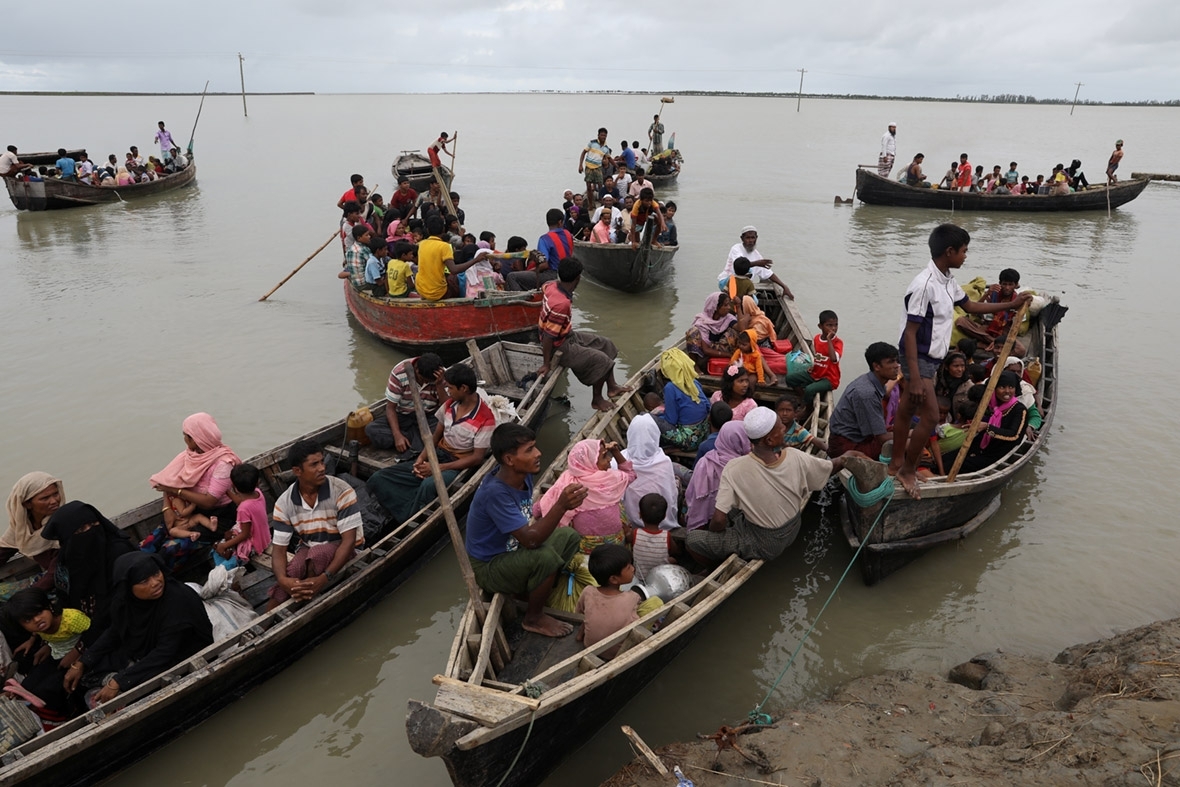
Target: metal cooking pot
x,y
667,582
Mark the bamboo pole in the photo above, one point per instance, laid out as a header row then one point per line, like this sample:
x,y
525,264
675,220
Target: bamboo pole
x,y
444,501
987,393
299,267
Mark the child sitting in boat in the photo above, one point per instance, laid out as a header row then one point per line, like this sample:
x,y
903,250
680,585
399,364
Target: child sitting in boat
x,y
787,408
751,358
740,284
399,272
736,392
597,519
608,608
251,534
59,630
652,546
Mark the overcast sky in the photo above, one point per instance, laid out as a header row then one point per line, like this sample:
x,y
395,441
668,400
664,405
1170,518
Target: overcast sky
x,y
1128,50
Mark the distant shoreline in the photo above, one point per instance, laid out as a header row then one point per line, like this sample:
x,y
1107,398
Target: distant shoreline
x,y
1022,100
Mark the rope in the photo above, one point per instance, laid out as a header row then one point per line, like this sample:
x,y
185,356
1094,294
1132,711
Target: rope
x,y
519,751
882,492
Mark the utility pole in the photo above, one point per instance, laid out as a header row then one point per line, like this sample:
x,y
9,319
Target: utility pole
x,y
799,100
242,74
1075,96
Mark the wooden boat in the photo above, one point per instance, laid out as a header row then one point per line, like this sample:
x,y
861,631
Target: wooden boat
x,y
872,189
947,512
85,749
49,158
624,268
668,178
416,167
511,719
446,325
54,194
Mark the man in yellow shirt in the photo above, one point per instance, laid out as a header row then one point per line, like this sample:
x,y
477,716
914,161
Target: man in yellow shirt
x,y
438,273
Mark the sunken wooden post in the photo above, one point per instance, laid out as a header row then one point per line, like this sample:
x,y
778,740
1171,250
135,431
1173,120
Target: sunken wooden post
x,y
444,500
987,393
652,758
300,266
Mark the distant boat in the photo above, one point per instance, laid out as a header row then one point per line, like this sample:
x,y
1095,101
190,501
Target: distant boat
x,y
624,268
54,194
872,189
414,166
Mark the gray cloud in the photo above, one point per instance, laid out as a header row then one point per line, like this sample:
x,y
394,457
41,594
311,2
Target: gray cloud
x,y
921,47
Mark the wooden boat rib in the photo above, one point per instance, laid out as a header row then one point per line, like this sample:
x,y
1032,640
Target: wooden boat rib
x,y
947,512
872,189
52,194
414,166
624,268
127,728
415,324
484,714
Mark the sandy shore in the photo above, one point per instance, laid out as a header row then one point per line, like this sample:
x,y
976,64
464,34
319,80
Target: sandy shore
x,y
1103,713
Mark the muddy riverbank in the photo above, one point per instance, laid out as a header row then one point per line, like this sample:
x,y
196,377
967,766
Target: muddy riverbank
x,y
1101,713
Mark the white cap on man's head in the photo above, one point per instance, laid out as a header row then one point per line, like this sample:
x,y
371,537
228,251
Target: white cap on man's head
x,y
760,422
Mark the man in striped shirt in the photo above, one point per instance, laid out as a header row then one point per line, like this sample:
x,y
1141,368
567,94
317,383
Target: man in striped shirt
x,y
322,511
591,357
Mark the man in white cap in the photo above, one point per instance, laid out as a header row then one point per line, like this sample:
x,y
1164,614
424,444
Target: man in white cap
x,y
759,266
888,151
761,495
608,203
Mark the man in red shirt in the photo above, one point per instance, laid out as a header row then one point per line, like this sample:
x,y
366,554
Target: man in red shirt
x,y
963,183
591,357
404,196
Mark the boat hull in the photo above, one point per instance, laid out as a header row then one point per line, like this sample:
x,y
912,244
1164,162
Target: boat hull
x,y
52,194
415,324
552,737
619,266
416,168
872,189
946,512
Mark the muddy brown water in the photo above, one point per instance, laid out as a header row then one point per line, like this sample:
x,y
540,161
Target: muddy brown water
x,y
118,321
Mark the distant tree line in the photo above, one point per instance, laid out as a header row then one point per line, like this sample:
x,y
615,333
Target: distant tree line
x,y
983,98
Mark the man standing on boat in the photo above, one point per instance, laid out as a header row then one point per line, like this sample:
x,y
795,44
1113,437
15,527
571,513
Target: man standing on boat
x,y
888,151
655,132
590,165
164,137
761,496
1113,164
433,150
590,357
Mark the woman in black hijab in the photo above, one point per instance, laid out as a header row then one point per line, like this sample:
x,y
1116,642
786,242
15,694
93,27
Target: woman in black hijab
x,y
90,544
156,622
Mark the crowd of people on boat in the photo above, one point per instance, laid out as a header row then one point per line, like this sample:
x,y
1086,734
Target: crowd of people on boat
x,y
112,173
962,176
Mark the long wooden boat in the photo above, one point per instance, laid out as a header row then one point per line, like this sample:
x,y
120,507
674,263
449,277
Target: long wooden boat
x,y
49,157
946,512
53,194
416,167
127,728
660,181
624,268
416,324
872,189
511,720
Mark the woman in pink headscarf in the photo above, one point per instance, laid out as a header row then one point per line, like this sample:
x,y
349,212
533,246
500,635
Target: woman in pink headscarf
x,y
597,519
198,476
701,494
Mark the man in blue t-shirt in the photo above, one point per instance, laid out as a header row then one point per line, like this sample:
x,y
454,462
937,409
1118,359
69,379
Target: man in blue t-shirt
x,y
628,158
65,165
510,551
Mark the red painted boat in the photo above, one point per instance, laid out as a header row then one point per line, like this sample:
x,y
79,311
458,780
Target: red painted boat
x,y
415,324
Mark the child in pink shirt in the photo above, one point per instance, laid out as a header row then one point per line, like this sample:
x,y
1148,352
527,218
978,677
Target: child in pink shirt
x,y
251,534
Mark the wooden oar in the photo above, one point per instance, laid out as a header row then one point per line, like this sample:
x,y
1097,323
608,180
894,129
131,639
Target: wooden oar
x,y
444,500
987,393
335,236
201,106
